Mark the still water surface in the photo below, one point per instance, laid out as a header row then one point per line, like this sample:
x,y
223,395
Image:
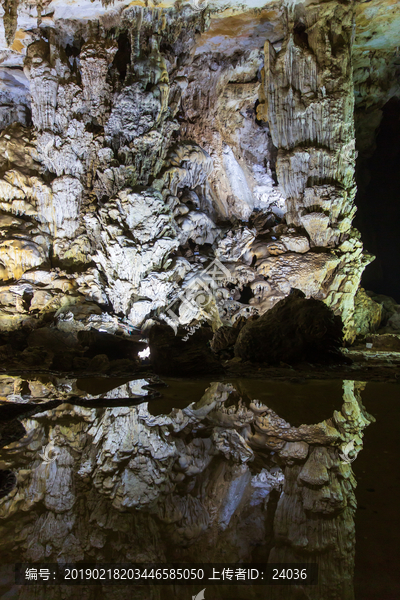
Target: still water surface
x,y
195,471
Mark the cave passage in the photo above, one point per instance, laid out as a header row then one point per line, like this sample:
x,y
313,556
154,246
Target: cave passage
x,y
378,215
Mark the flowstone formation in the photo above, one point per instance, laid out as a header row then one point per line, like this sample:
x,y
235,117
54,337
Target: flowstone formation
x,y
225,477
142,143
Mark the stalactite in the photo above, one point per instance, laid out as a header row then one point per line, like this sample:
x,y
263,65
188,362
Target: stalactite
x,y
10,19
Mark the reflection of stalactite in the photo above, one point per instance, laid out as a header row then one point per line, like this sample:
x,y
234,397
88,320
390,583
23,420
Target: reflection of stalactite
x,y
309,535
10,19
314,521
196,482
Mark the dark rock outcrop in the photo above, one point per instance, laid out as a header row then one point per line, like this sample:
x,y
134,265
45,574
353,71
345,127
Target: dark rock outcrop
x,y
225,337
113,346
92,351
295,330
175,355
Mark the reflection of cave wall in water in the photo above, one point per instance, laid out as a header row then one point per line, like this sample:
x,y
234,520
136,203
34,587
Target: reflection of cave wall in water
x,y
378,216
122,485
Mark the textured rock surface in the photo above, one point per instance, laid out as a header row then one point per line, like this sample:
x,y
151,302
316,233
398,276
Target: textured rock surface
x,y
307,85
121,484
367,313
376,63
140,142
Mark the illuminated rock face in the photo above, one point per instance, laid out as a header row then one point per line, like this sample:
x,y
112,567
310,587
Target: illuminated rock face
x,y
160,139
308,91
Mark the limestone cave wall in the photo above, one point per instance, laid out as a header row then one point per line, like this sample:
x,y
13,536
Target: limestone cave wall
x,y
141,143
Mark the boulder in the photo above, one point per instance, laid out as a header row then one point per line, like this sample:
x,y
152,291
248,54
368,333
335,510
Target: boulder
x,y
225,337
99,363
390,318
296,329
52,339
181,354
386,342
36,357
367,314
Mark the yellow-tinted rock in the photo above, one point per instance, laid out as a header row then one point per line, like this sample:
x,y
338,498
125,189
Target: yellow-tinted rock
x,y
18,256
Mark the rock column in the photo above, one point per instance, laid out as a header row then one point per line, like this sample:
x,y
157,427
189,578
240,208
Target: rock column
x,y
307,97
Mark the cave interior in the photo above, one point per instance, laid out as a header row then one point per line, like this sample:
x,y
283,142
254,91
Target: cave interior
x,y
199,297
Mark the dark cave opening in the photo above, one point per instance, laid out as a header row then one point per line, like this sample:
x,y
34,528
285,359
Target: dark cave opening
x,y
122,57
378,214
246,294
300,35
72,51
94,128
